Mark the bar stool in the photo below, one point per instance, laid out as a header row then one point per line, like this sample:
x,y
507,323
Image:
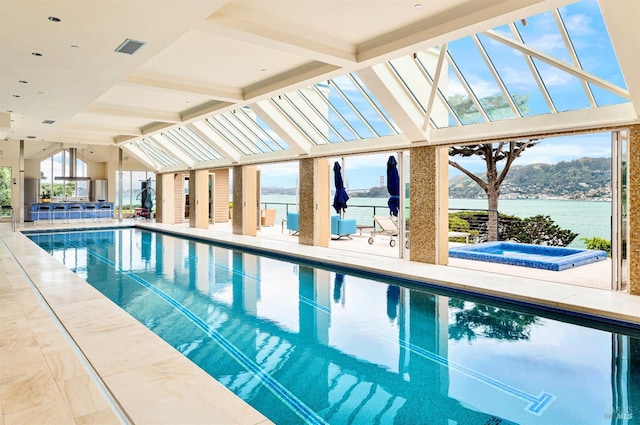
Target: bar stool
x,y
75,211
106,212
60,211
90,212
42,209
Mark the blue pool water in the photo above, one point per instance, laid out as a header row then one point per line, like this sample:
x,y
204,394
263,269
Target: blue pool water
x,y
528,255
305,344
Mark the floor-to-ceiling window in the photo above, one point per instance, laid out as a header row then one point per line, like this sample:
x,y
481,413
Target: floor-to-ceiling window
x,y
5,190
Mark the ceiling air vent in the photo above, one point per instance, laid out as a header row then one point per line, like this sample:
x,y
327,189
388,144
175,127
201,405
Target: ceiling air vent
x,y
130,46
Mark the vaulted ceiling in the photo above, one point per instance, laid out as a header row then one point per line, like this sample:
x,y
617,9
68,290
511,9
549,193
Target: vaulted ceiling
x,y
213,83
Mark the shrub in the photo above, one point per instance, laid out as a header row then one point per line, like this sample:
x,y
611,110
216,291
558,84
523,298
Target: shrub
x,y
598,243
541,230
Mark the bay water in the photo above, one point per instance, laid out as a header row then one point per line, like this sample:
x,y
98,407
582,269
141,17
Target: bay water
x,y
586,218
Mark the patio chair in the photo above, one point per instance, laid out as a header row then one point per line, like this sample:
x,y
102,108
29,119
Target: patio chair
x,y
388,227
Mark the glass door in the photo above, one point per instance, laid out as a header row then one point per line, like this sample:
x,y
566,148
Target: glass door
x,y
619,206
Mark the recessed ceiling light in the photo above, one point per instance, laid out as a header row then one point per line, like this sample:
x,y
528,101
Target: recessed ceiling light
x,y
40,92
263,69
31,137
22,81
9,110
16,95
48,122
418,5
75,46
36,54
54,19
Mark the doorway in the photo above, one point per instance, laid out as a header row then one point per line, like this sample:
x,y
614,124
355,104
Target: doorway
x,y
619,207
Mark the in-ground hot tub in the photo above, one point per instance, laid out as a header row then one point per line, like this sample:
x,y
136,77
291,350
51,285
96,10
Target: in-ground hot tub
x,y
527,255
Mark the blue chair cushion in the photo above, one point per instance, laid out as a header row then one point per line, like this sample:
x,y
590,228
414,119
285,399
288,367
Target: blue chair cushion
x,y
292,221
342,226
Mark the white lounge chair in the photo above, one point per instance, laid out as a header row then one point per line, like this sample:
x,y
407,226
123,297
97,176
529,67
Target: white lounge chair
x,y
388,227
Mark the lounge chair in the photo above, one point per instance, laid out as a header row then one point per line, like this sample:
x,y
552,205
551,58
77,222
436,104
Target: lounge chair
x,y
388,227
342,227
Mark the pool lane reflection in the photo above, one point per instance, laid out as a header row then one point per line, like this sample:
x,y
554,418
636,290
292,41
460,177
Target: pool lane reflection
x,y
309,345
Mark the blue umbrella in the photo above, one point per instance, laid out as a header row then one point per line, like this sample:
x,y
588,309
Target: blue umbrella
x,y
393,186
340,199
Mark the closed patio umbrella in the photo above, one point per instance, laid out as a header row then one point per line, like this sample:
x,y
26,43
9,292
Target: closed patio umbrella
x,y
393,186
340,198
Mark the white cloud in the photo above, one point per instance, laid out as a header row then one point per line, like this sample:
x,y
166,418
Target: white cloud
x,y
548,43
579,24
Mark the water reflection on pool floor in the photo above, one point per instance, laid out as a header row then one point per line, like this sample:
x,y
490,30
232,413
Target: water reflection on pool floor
x,y
303,344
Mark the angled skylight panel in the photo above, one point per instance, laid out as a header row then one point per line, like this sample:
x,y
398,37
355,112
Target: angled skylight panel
x,y
484,83
220,125
415,74
240,131
172,137
544,34
364,114
464,103
315,98
257,130
590,39
520,79
154,153
384,125
205,149
303,117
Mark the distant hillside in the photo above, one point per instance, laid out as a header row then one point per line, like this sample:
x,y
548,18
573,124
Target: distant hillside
x,y
585,178
269,190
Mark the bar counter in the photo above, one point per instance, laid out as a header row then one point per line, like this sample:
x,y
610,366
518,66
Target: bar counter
x,y
70,211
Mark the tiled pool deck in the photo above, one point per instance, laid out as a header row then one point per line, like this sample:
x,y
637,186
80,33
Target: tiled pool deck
x,y
131,376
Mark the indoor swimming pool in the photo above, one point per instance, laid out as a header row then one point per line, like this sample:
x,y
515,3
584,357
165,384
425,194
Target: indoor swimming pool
x,y
305,344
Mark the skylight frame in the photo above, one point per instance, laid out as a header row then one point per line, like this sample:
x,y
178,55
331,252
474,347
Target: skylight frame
x,y
155,153
325,119
360,87
191,150
214,122
253,127
249,135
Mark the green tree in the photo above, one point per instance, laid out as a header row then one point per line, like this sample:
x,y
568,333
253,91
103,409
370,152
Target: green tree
x,y
493,154
471,320
5,185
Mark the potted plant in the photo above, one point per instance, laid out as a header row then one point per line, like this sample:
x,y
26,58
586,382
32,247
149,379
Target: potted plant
x,y
46,196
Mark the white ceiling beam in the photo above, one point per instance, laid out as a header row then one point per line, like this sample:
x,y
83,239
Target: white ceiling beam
x,y
71,127
226,94
65,138
570,69
275,38
279,123
362,146
125,111
468,18
173,151
217,142
389,91
539,125
140,156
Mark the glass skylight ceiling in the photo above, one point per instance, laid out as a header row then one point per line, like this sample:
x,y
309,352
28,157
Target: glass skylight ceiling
x,y
558,61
